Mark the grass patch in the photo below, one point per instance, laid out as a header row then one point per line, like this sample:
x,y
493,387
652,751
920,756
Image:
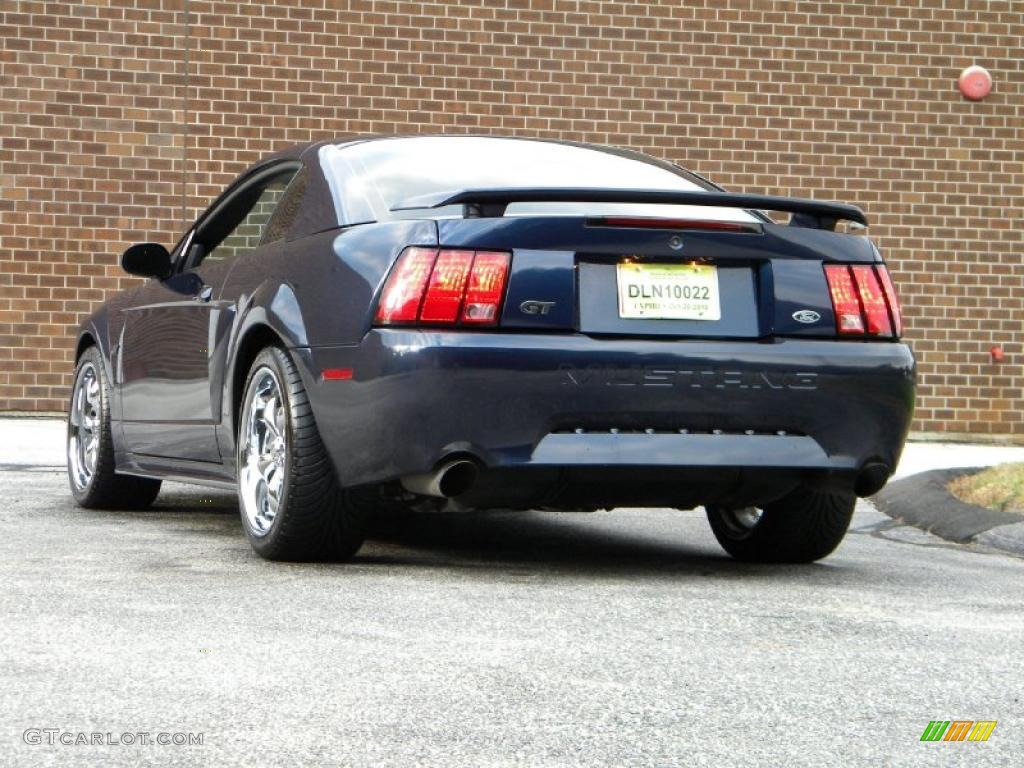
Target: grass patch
x,y
1000,488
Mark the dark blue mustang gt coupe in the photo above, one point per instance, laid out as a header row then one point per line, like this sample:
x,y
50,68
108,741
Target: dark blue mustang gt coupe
x,y
490,322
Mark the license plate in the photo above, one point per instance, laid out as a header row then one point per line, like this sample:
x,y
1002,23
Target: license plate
x,y
668,291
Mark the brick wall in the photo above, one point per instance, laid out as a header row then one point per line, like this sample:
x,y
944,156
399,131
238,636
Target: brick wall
x,y
853,101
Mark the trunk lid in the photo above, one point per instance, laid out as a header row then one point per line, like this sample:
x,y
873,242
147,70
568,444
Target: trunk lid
x,y
575,273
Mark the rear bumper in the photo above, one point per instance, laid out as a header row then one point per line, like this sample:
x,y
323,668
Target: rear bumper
x,y
577,404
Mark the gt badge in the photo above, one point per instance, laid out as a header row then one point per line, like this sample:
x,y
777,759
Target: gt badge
x,y
531,307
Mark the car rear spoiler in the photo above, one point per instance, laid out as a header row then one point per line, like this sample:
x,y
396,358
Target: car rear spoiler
x,y
492,202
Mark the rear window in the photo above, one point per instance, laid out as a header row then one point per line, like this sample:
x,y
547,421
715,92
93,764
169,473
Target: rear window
x,y
368,178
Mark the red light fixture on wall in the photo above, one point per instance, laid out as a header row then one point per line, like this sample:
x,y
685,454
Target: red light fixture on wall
x,y
975,83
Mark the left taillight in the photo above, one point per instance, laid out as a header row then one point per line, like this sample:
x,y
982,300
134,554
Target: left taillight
x,y
864,300
402,296
444,286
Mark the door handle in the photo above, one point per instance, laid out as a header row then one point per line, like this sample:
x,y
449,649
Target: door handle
x,y
205,294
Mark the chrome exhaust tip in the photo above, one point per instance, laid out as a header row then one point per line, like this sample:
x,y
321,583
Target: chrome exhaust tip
x,y
451,479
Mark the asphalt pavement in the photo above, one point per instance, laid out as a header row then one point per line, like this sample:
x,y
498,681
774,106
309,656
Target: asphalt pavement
x,y
536,639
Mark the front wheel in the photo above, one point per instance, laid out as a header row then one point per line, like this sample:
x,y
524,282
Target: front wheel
x,y
291,503
804,526
92,470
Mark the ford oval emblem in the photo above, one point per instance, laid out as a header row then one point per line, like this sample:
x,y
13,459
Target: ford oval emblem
x,y
806,316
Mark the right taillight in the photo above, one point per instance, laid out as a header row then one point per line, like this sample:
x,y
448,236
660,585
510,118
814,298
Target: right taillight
x,y
444,286
864,300
891,299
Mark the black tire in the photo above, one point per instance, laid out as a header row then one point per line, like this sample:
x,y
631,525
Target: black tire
x,y
804,526
316,519
102,487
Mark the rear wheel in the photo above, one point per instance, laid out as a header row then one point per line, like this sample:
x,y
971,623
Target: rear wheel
x,y
802,527
90,448
291,503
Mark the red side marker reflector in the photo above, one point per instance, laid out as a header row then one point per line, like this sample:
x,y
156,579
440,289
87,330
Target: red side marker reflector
x,y
336,374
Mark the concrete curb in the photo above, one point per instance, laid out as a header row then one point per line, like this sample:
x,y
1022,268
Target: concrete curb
x,y
923,501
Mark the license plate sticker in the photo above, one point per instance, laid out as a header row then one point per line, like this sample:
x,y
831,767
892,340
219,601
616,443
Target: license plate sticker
x,y
668,291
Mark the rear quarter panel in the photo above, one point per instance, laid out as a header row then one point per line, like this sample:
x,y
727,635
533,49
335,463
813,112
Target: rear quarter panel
x,y
320,290
311,292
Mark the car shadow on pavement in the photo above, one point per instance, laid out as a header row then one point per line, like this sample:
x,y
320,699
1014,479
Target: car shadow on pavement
x,y
580,543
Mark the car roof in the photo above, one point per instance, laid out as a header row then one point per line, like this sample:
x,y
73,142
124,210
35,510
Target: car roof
x,y
318,209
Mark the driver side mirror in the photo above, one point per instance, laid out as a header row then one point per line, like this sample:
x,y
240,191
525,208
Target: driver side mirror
x,y
147,260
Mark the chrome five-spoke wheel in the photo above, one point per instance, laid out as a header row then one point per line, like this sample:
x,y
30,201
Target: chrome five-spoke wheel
x,y
263,454
84,427
92,465
292,506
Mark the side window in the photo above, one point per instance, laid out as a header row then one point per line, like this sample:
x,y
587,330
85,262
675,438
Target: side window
x,y
287,210
250,218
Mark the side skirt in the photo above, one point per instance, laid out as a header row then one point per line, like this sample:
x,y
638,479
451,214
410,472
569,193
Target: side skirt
x,y
209,474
